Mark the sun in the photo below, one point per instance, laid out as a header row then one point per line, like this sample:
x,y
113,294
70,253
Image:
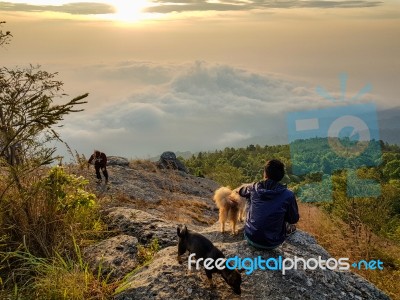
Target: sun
x,y
129,10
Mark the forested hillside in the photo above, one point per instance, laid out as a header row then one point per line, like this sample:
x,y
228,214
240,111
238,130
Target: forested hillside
x,y
369,225
313,161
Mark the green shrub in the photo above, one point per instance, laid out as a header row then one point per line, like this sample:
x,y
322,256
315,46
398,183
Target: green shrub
x,y
44,221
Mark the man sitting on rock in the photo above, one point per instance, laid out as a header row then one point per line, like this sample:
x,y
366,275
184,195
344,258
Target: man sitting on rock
x,y
100,162
273,208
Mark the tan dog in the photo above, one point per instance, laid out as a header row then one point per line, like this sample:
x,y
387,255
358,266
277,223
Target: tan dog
x,y
231,207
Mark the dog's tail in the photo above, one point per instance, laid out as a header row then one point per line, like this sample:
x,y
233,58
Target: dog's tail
x,y
223,198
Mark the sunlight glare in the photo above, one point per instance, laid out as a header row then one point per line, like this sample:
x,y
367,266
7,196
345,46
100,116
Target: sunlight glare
x,y
129,10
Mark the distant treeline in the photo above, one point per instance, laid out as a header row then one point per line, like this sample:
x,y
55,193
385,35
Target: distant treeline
x,y
310,157
334,166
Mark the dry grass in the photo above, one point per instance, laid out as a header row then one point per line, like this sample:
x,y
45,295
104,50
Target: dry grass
x,y
121,199
327,231
40,229
143,164
336,237
188,211
72,284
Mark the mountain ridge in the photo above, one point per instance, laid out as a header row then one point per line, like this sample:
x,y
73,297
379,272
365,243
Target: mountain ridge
x,y
147,204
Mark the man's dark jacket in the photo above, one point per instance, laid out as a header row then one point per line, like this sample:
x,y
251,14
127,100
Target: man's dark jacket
x,y
271,205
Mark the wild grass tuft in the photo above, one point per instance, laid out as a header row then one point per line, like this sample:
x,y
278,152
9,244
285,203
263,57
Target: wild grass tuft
x,y
41,231
146,253
144,164
337,238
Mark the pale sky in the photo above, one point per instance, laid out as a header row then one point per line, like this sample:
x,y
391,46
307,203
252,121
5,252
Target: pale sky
x,y
199,75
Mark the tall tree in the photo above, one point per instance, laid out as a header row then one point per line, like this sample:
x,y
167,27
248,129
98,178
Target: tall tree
x,y
29,116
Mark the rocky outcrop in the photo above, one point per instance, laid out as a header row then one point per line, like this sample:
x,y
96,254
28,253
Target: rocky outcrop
x,y
168,160
118,255
155,201
153,186
165,278
145,182
117,161
142,225
115,256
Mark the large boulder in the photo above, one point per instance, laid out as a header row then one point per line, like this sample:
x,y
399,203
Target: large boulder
x,y
165,278
142,225
152,207
117,161
114,257
168,160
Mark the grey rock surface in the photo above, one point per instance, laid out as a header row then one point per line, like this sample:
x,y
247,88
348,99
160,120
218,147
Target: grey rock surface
x,y
154,185
117,161
168,160
142,225
115,256
147,203
165,278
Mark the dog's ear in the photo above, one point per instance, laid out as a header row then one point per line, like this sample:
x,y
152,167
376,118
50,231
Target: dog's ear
x,y
181,232
184,230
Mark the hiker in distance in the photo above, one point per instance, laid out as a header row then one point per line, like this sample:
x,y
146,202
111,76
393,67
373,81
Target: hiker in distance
x,y
100,162
272,210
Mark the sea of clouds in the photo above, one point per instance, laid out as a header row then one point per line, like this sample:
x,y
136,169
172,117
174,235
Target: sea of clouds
x,y
140,109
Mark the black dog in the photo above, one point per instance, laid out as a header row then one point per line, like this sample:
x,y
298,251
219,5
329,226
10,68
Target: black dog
x,y
203,249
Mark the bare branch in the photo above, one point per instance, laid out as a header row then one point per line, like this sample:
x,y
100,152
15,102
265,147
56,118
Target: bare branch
x,y
27,110
5,37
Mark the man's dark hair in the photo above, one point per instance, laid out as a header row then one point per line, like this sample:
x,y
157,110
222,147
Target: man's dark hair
x,y
274,169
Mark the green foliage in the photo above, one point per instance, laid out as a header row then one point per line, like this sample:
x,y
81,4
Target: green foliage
x,y
44,222
45,214
226,175
146,253
233,167
315,191
392,169
28,118
28,115
316,155
67,190
324,181
58,277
